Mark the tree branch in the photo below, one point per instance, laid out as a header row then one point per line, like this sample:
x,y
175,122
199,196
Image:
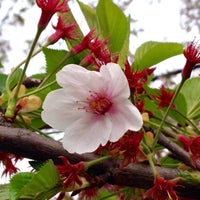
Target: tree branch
x,y
31,145
180,153
172,73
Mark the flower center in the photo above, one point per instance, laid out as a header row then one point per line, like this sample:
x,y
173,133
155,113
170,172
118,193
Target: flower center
x,y
97,103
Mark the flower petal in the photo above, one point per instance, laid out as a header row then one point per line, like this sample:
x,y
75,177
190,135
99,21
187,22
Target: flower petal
x,y
124,117
59,110
86,134
117,83
76,76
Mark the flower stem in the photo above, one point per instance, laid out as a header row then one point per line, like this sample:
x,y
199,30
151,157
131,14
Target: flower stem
x,y
189,122
150,159
94,162
38,89
19,65
33,54
167,112
28,60
13,101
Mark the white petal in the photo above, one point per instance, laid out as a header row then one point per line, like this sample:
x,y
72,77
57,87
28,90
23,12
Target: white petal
x,y
86,134
117,82
124,117
59,110
75,76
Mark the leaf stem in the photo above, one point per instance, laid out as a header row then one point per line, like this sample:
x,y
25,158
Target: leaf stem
x,y
190,122
39,31
94,162
166,113
13,100
38,89
153,168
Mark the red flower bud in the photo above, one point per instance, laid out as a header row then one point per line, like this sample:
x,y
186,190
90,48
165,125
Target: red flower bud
x,y
70,172
63,30
9,161
84,44
49,8
163,189
192,55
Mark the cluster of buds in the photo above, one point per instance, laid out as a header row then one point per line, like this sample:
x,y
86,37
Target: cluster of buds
x,y
164,98
99,54
137,80
71,173
129,147
162,190
25,105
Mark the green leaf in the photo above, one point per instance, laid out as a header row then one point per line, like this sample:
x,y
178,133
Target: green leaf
x,y
4,192
180,110
36,165
3,78
125,48
15,78
115,25
38,76
90,16
44,180
190,91
151,53
54,58
1,66
169,162
28,185
17,183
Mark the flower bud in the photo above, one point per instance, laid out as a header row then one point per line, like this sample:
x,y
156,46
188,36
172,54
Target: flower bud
x,y
49,8
192,55
30,103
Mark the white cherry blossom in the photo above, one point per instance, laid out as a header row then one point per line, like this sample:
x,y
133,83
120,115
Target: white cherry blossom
x,y
92,107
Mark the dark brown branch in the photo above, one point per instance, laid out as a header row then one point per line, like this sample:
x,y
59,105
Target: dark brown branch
x,y
28,144
174,148
180,153
31,145
141,176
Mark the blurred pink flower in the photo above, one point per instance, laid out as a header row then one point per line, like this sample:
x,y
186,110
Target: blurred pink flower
x,y
92,107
